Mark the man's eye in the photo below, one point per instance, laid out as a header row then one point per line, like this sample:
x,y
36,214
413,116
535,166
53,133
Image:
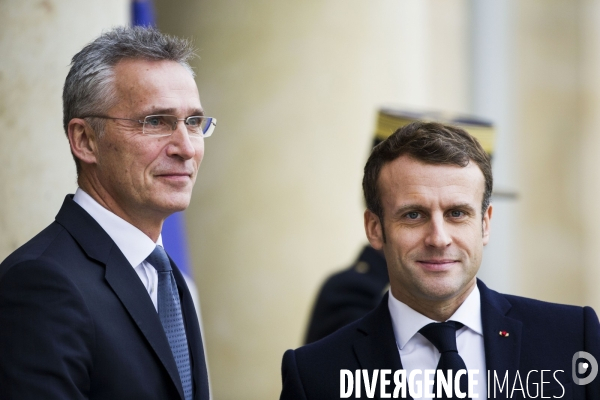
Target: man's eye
x,y
154,121
412,215
456,214
193,121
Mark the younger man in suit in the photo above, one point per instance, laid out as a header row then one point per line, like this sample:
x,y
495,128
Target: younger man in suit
x,y
428,189
92,307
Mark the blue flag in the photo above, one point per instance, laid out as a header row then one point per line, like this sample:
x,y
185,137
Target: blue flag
x,y
175,241
142,13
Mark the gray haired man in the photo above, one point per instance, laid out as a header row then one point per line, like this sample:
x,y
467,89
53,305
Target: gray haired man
x,y
92,307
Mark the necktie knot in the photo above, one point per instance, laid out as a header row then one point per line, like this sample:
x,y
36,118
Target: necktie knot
x,y
442,335
159,259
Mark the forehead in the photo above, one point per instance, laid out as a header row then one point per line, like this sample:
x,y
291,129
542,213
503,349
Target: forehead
x,y
155,86
409,181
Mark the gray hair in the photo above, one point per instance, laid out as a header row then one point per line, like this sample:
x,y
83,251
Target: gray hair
x,y
89,87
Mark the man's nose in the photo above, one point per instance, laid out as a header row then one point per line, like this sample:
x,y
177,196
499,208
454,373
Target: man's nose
x,y
438,235
181,142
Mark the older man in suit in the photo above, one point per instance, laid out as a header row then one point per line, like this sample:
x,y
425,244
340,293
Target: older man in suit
x,y
92,307
428,191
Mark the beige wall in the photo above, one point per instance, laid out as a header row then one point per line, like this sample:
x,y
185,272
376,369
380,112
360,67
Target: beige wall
x,y
587,199
37,41
552,217
278,206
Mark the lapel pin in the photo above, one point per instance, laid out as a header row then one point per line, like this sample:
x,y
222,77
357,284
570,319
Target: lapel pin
x,y
503,333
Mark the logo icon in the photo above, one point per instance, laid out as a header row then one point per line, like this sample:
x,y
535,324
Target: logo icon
x,y
590,364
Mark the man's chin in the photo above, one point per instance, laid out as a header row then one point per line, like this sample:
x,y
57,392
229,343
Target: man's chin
x,y
444,289
174,203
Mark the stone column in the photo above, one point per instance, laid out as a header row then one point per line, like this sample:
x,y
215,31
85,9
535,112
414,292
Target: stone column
x,y
37,41
493,47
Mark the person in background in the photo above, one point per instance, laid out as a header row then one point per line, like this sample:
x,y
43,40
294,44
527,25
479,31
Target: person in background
x,y
349,294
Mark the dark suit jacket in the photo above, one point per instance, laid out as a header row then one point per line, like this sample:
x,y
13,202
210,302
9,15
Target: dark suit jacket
x,y
542,336
77,323
349,294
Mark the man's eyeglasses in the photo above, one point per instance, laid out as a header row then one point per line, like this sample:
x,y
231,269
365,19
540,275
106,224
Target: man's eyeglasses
x,y
164,125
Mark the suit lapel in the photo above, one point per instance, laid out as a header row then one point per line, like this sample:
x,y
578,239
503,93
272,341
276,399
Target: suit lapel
x,y
124,281
502,353
122,278
377,348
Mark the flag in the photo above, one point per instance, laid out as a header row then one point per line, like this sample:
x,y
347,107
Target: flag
x,y
142,13
175,241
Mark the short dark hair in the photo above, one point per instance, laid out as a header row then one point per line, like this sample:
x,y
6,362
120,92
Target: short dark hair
x,y
89,86
431,143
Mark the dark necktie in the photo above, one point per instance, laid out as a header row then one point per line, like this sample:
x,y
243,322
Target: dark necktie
x,y
443,337
169,312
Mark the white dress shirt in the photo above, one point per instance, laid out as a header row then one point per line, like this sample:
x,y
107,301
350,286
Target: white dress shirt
x,y
133,243
416,352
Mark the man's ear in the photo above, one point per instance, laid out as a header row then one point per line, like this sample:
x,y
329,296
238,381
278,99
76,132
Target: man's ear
x,y
374,230
82,140
487,217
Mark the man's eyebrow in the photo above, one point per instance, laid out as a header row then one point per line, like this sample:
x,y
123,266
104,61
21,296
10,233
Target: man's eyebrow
x,y
172,111
418,207
463,206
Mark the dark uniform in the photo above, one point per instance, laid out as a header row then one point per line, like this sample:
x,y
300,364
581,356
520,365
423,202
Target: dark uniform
x,y
349,294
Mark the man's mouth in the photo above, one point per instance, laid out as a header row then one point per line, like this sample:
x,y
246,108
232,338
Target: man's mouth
x,y
437,264
174,177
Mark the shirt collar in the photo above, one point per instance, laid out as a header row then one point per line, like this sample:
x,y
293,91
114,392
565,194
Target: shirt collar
x,y
407,322
132,242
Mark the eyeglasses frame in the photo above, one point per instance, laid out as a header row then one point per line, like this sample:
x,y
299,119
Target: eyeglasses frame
x,y
213,123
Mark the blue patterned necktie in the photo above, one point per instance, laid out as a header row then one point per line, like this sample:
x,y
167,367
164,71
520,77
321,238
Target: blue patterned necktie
x,y
169,312
443,337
